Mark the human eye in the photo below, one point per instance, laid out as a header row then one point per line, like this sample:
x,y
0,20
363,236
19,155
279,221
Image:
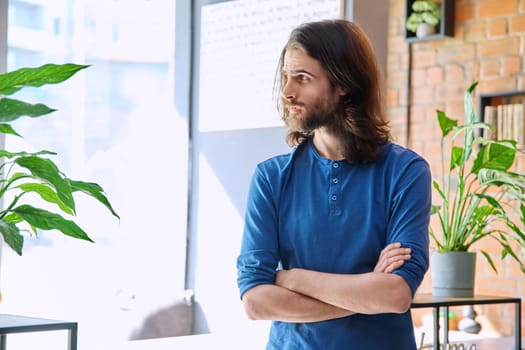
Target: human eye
x,y
302,78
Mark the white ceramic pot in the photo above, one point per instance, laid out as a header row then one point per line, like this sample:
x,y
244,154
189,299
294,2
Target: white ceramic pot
x,y
425,29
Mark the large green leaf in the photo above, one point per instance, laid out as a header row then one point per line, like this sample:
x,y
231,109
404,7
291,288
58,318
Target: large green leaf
x,y
94,190
46,193
11,109
46,220
12,236
46,170
498,155
13,81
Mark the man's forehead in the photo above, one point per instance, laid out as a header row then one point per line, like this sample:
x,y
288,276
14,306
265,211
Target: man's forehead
x,y
298,59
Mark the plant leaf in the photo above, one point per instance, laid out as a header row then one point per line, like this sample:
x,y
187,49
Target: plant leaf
x,y
46,220
11,109
4,153
46,170
46,193
94,190
457,157
446,124
489,259
12,236
13,81
497,155
8,129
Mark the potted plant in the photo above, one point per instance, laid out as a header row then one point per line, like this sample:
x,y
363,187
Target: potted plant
x,y
424,17
480,197
24,173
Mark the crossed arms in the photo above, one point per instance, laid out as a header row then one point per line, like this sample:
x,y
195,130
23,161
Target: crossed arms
x,y
300,295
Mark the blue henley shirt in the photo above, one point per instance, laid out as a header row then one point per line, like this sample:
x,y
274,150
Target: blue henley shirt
x,y
306,211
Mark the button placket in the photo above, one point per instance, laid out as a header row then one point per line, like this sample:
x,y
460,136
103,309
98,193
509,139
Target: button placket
x,y
334,189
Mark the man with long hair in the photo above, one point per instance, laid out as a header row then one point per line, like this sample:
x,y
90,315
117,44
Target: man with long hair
x,y
335,242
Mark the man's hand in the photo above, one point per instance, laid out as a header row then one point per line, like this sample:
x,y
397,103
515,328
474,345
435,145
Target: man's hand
x,y
392,257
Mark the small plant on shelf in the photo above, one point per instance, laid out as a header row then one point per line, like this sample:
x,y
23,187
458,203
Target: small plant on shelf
x,y
424,18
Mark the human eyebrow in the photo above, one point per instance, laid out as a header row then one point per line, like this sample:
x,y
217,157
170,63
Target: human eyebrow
x,y
298,72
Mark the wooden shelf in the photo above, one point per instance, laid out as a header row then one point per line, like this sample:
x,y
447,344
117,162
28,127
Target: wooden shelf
x,y
446,24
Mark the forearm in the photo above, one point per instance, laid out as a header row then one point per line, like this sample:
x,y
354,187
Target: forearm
x,y
368,293
271,302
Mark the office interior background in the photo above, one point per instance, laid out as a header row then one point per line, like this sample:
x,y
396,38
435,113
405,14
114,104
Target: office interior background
x,y
171,118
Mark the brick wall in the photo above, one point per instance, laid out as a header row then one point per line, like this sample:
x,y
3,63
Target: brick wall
x,y
488,46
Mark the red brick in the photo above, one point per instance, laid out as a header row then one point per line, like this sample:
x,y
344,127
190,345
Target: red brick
x,y
499,47
511,65
451,92
418,77
396,44
434,75
423,95
497,85
417,114
457,54
476,31
517,24
489,68
495,8
396,26
397,77
455,109
454,72
497,27
397,8
423,58
464,13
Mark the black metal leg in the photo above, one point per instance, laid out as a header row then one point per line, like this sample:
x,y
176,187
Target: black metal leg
x,y
73,337
445,326
435,339
517,325
3,340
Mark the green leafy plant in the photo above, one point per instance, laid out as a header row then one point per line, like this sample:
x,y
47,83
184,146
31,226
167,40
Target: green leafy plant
x,y
423,11
481,196
24,173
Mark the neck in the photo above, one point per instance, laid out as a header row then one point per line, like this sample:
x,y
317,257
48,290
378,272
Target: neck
x,y
327,145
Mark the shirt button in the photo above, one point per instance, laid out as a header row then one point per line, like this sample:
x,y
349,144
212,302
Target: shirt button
x,y
336,165
336,180
334,197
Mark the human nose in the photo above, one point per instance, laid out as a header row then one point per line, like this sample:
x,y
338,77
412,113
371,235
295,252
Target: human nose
x,y
288,91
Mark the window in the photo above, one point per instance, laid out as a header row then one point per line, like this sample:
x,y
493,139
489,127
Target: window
x,y
117,126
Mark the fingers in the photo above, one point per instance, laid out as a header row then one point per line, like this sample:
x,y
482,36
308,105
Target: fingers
x,y
392,257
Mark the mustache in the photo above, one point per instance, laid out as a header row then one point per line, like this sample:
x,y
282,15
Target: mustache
x,y
293,104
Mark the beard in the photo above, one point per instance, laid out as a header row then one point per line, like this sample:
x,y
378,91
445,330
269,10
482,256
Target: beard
x,y
323,112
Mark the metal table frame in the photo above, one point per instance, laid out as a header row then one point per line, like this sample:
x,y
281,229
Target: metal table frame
x,y
22,324
429,301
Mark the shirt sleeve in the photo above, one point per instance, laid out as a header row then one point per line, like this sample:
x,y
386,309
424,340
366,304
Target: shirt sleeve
x,y
259,256
409,220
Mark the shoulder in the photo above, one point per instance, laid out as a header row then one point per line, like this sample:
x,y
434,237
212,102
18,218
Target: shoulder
x,y
403,161
395,151
281,163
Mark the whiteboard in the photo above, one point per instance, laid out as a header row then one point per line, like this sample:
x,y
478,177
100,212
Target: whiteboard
x,y
240,44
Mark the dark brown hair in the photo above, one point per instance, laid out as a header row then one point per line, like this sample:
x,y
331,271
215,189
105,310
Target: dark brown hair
x,y
345,53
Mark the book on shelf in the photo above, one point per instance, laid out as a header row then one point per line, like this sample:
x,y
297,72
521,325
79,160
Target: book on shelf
x,y
507,121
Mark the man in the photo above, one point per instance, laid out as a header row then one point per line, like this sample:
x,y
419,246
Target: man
x,y
336,232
